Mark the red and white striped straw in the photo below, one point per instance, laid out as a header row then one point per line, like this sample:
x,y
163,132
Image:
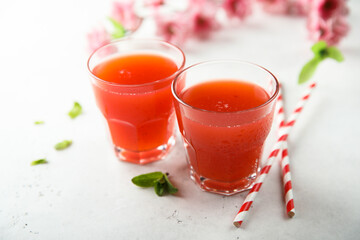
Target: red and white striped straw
x,y
300,105
286,176
285,163
283,133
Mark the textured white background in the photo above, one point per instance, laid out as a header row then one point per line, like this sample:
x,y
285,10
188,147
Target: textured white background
x,y
85,193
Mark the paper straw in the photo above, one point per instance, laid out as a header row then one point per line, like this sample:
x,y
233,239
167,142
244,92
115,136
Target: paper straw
x,y
263,173
283,133
300,105
286,176
285,163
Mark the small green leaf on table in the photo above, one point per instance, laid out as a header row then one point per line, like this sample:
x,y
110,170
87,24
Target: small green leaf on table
x,y
158,180
62,145
159,188
39,161
75,111
147,180
170,188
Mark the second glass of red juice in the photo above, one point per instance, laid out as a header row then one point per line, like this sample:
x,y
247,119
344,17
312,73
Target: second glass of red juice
x,y
225,112
131,80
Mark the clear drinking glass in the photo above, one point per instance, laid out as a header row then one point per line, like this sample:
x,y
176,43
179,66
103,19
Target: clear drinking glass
x,y
131,79
223,144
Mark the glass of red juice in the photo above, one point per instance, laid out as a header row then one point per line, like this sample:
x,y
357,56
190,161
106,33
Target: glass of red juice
x,y
225,112
131,79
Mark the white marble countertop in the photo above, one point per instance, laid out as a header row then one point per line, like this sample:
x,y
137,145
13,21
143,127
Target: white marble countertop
x,y
85,192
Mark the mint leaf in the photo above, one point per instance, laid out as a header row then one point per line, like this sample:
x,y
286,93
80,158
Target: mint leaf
x,y
335,54
62,145
75,111
39,122
308,70
40,161
318,47
170,188
119,30
321,52
159,188
148,179
158,180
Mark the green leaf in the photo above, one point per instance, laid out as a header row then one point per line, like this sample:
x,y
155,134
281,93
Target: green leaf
x,y
158,180
159,188
119,30
39,122
169,187
318,47
76,110
62,145
335,54
321,51
117,35
148,179
308,70
40,161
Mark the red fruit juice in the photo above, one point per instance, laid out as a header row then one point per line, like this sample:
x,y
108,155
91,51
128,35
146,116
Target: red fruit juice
x,y
224,146
135,98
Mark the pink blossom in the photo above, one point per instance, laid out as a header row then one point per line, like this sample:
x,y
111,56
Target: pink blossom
x,y
154,3
328,8
299,7
340,29
333,32
98,38
173,28
326,21
237,8
124,13
203,17
319,29
276,6
288,7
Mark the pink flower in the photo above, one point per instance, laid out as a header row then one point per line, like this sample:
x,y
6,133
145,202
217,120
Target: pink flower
x,y
173,28
203,17
98,38
319,29
288,7
154,3
326,21
300,7
237,8
276,6
330,31
124,13
328,8
340,29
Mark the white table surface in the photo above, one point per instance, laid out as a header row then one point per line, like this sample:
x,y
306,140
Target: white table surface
x,y
85,192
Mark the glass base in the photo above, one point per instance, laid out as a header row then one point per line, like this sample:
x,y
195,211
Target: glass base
x,y
223,188
145,157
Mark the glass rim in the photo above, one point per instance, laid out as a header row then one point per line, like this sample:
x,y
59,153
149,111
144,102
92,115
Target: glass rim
x,y
114,42
272,98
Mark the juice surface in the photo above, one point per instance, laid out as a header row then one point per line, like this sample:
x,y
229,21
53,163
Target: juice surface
x,y
135,69
225,96
140,120
225,156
